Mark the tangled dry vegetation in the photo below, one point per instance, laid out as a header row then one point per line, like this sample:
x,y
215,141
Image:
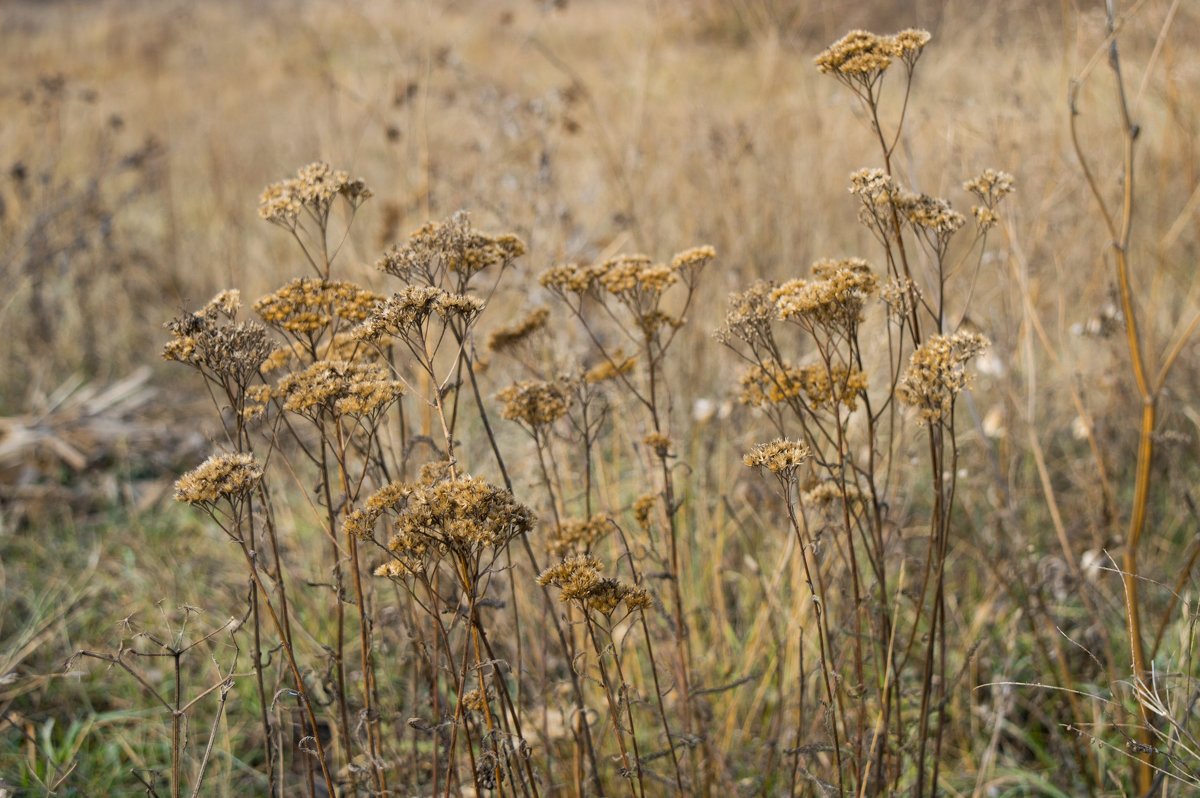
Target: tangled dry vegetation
x,y
535,514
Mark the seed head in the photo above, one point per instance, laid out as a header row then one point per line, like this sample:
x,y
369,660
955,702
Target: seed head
x,y
221,476
536,404
937,373
781,457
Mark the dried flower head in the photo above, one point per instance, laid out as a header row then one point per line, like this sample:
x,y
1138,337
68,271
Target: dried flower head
x,y
658,443
509,338
339,388
314,188
578,537
643,509
407,311
749,316
580,579
781,457
236,351
937,373
991,187
693,259
221,476
610,369
930,215
535,404
834,300
306,306
452,245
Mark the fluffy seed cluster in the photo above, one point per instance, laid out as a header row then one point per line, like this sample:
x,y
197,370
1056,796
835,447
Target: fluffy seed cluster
x,y
781,457
862,57
937,373
580,579
578,537
221,476
819,387
407,311
200,339
315,188
452,245
834,300
536,404
508,338
308,305
338,388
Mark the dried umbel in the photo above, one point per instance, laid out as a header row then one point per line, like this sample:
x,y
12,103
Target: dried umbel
x,y
781,457
462,515
578,537
508,338
581,580
931,215
535,404
406,312
306,306
221,476
236,351
834,301
314,189
449,246
749,316
860,58
338,388
937,373
990,187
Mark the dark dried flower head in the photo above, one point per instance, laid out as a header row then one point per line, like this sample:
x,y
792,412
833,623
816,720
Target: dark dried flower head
x,y
236,351
937,373
658,443
221,476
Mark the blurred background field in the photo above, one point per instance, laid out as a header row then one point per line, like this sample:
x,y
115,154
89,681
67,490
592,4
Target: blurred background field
x,y
136,137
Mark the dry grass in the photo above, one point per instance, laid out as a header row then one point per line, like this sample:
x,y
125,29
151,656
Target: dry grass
x,y
138,136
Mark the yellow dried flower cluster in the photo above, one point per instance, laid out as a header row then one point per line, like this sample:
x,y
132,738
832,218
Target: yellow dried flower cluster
x,y
221,476
315,187
862,57
781,457
834,300
991,187
534,403
474,701
609,369
407,311
660,444
580,579
936,373
508,338
820,387
236,351
308,305
578,537
338,388
452,245
360,523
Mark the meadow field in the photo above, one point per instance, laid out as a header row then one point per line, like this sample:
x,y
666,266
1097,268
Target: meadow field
x,y
566,397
